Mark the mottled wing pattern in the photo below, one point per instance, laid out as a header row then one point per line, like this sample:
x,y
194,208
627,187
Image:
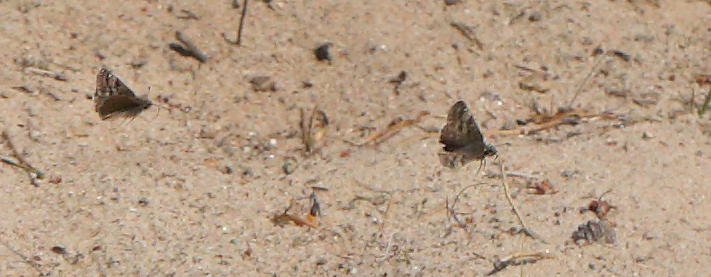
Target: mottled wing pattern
x,y
461,130
112,97
461,137
103,91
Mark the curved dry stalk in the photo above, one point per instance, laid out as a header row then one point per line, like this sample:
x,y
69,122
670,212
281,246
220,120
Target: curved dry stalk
x,y
526,230
451,212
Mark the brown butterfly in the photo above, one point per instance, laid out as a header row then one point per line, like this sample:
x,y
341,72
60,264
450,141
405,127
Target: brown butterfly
x,y
113,98
462,138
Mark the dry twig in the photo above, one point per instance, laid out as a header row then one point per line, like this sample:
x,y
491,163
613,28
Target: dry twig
x,y
32,172
313,128
526,230
561,117
283,218
54,75
517,259
451,212
241,27
188,48
26,259
468,32
580,88
393,128
188,14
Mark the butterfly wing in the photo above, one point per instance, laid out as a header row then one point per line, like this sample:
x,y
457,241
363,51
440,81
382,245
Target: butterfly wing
x,y
102,88
112,97
462,139
461,130
121,105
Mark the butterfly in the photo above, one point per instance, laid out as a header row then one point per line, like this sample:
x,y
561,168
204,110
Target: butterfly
x,y
113,98
462,139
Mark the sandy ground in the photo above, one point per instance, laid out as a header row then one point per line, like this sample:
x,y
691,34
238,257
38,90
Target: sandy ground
x,y
191,187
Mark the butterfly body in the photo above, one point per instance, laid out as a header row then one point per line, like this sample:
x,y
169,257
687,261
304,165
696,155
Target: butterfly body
x,y
462,139
113,98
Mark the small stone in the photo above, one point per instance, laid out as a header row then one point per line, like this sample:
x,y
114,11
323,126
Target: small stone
x,y
643,38
531,85
535,16
143,201
617,92
595,231
598,51
586,41
263,83
399,78
322,53
209,132
622,55
290,165
490,95
227,170
55,179
59,250
647,99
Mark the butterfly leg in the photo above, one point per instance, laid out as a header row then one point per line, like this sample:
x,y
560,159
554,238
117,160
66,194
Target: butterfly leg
x,y
131,120
482,165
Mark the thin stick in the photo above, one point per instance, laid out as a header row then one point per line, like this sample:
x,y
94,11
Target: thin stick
x,y
705,106
19,157
308,136
515,174
241,23
54,75
560,118
23,164
25,259
453,213
390,131
191,47
526,230
241,27
468,33
387,248
518,259
580,88
188,15
359,183
385,215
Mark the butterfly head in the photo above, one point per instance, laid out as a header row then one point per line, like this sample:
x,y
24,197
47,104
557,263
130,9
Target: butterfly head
x,y
490,150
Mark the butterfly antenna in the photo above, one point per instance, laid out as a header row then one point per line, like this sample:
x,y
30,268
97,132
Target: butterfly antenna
x,y
158,112
157,104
